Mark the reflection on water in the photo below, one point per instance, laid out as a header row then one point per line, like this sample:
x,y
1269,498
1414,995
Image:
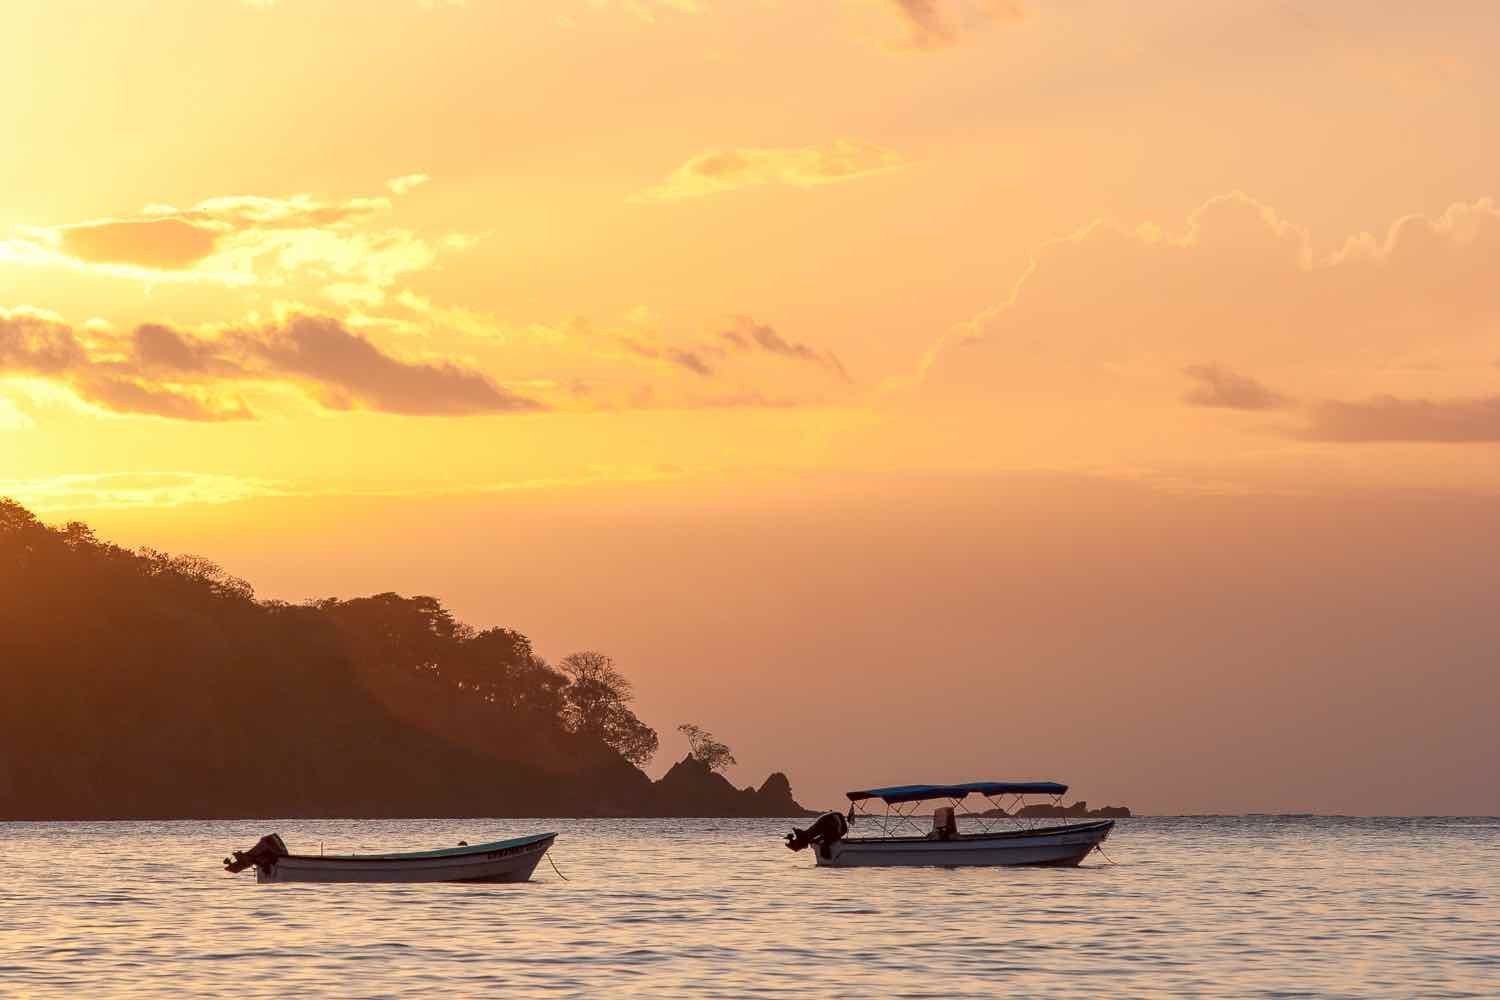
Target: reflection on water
x,y
1254,906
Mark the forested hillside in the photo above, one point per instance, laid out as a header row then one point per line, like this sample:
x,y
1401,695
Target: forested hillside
x,y
140,684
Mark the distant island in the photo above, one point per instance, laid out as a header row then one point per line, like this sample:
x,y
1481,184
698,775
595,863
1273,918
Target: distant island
x,y
142,685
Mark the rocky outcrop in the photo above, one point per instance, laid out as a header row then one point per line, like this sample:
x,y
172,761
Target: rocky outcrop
x,y
775,793
691,789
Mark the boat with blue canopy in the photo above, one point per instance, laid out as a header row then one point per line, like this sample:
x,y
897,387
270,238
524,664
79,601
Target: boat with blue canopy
x,y
999,836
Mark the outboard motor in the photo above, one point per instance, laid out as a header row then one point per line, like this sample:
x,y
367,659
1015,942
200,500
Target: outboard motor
x,y
826,830
263,855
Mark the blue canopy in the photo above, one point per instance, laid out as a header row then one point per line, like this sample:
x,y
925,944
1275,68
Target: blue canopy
x,y
1017,787
921,793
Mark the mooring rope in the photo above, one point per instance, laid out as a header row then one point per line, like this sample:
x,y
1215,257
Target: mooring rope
x,y
1100,849
560,875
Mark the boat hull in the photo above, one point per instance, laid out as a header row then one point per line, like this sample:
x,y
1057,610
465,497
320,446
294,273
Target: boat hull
x,y
509,861
1062,846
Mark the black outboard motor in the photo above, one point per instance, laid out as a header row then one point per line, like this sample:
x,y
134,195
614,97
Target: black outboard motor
x,y
827,829
263,855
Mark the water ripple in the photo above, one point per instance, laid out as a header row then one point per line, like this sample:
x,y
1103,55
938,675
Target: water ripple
x,y
1256,906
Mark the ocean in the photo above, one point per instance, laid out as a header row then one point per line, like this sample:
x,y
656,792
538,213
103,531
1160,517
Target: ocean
x,y
1191,906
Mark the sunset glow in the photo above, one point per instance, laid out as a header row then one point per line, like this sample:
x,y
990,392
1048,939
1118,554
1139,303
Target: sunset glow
x,y
1127,367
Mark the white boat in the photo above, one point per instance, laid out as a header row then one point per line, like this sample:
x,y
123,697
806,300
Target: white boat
x,y
993,840
499,861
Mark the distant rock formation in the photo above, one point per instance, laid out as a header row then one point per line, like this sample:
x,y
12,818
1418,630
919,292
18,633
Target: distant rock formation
x,y
691,789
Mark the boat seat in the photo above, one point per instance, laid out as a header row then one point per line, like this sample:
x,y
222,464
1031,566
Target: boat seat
x,y
944,824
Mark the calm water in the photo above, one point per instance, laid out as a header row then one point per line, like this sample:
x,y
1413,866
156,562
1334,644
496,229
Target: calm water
x,y
717,908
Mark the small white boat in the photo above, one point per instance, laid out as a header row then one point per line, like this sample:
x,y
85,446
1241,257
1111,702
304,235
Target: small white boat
x,y
499,861
988,841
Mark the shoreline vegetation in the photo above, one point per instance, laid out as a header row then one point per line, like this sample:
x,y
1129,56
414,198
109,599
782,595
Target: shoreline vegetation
x,y
141,685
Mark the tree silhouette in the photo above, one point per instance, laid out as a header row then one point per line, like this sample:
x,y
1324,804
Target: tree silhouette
x,y
596,703
706,750
155,684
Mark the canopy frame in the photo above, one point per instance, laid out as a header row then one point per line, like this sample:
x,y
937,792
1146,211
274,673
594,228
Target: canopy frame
x,y
903,801
1015,800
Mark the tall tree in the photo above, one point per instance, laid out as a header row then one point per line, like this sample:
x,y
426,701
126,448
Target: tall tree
x,y
597,702
706,750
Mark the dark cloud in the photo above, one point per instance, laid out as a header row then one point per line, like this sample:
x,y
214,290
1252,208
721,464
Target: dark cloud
x,y
167,373
353,372
689,360
37,346
772,341
159,348
1391,418
1219,387
681,357
748,335
165,244
127,395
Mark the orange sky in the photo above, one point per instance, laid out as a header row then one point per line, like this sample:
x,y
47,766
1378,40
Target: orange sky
x,y
834,365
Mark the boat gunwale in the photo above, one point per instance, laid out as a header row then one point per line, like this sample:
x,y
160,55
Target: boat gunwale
x,y
1044,831
470,853
409,868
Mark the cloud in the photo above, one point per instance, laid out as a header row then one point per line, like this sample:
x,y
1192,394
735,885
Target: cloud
x,y
350,372
234,372
748,334
679,356
168,244
1219,387
247,240
1114,316
123,394
159,371
1389,418
935,24
298,211
36,345
631,362
159,349
689,360
746,340
721,170
406,182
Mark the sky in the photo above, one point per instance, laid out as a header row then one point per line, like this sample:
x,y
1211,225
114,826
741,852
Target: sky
x,y
904,390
